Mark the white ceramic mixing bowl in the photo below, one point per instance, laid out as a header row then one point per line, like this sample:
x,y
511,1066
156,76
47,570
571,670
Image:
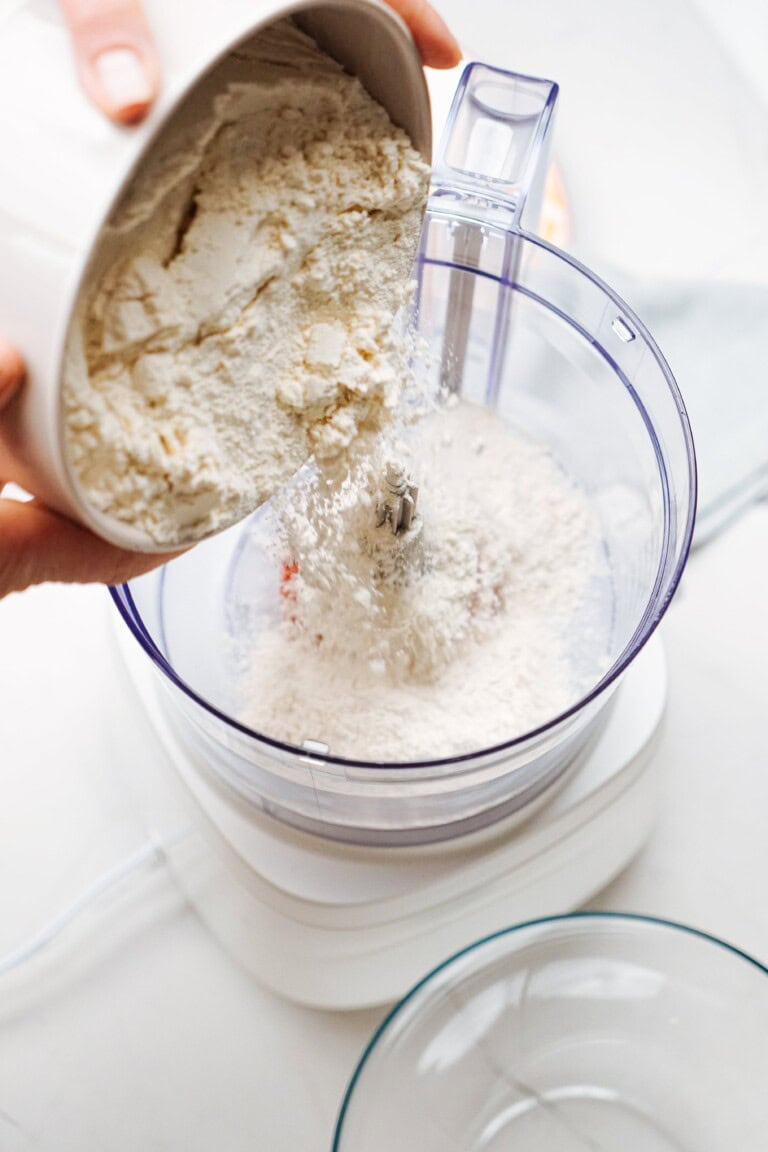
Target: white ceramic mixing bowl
x,y
63,167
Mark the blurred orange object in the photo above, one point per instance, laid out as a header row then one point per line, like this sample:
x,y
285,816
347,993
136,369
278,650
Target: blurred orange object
x,y
287,573
555,224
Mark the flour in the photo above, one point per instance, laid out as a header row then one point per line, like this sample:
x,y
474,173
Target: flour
x,y
449,638
239,323
240,315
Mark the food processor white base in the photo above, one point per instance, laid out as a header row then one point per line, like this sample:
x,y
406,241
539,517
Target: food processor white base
x,y
345,926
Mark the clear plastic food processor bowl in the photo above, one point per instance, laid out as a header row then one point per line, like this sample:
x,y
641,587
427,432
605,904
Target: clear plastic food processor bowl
x,y
512,323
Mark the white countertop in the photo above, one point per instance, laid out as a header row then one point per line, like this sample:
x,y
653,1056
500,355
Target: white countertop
x,y
136,1030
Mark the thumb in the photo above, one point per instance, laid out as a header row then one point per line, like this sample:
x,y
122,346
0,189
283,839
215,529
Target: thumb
x,y
115,56
38,545
437,45
11,371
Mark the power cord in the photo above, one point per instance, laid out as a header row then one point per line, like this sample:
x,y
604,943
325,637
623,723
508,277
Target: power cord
x,y
149,854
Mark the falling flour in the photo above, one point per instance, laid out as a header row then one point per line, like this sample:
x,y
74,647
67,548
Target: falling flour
x,y
448,638
238,323
239,316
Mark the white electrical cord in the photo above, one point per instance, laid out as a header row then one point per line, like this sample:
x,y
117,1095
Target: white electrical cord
x,y
148,853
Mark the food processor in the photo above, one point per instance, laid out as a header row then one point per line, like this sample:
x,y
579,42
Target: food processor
x,y
338,882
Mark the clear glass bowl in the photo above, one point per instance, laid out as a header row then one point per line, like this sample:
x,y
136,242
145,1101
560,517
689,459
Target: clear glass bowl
x,y
509,322
585,1032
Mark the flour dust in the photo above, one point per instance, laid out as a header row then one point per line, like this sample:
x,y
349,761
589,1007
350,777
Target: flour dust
x,y
449,638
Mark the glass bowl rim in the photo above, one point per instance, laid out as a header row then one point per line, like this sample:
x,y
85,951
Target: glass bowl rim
x,y
630,918
121,594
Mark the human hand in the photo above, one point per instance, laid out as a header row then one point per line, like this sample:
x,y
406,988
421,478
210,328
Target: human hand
x,y
118,68
437,45
37,545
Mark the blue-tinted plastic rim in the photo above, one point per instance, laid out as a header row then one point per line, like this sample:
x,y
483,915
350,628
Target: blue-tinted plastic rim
x,y
647,626
621,917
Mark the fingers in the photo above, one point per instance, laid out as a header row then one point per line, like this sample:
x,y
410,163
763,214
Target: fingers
x,y
115,55
37,545
11,371
117,63
118,68
436,43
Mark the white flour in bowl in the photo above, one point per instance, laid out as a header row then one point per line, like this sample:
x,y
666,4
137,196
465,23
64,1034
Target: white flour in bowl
x,y
240,318
448,638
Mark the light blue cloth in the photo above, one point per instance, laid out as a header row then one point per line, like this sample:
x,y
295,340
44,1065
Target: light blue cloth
x,y
715,338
